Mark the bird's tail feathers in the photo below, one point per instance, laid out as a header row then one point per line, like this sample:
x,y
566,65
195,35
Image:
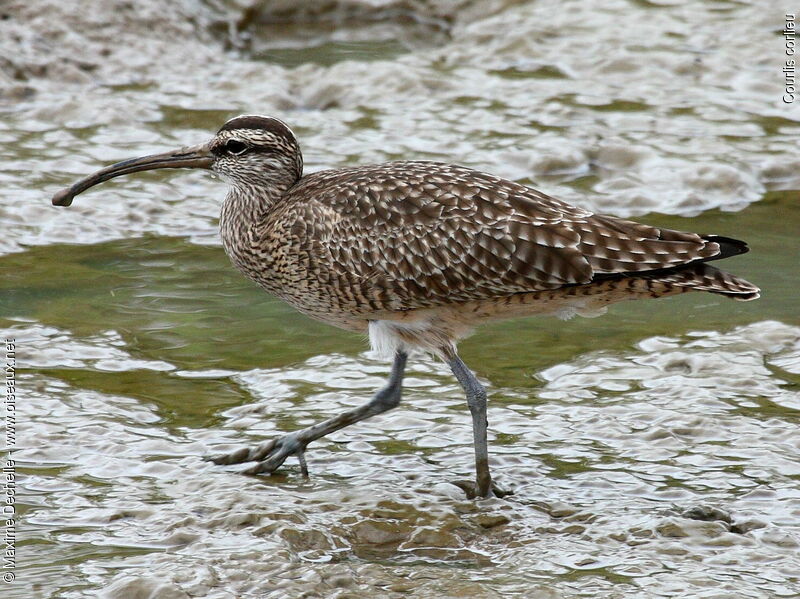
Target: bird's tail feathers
x,y
727,246
703,277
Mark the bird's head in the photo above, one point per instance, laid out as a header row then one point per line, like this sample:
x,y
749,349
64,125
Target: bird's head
x,y
248,151
256,150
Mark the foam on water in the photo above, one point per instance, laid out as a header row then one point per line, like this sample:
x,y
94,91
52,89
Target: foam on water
x,y
608,459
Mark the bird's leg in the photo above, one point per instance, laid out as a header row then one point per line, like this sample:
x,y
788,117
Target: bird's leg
x,y
273,453
476,400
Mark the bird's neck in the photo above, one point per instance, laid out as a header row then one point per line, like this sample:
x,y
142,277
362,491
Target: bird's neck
x,y
243,213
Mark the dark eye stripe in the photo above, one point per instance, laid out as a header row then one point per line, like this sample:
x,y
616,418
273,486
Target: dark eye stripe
x,y
225,149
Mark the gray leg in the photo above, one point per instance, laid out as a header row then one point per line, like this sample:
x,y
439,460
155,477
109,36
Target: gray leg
x,y
476,400
273,453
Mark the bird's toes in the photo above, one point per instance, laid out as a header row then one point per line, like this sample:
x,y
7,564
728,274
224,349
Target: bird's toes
x,y
272,459
301,457
243,454
268,456
473,490
264,450
500,492
235,457
266,466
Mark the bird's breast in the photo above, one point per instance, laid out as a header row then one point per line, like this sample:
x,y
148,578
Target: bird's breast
x,y
289,268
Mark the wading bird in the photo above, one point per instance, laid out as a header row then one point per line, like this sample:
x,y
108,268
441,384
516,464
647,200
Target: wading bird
x,y
417,254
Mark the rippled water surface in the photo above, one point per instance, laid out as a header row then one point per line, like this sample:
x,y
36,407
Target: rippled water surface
x,y
653,452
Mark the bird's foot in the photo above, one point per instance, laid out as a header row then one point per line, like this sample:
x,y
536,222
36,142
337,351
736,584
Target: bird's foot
x,y
268,456
471,488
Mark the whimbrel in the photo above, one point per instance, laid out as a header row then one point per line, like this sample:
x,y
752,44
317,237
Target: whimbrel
x,y
417,254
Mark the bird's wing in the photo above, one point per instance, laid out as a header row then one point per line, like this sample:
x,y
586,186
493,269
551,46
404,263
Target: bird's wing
x,y
419,234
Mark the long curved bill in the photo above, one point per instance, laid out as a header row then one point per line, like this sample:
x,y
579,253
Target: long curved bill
x,y
189,157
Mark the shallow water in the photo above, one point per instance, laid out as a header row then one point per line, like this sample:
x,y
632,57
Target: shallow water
x,y
652,452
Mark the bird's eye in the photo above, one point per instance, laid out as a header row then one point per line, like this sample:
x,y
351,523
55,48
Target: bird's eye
x,y
236,147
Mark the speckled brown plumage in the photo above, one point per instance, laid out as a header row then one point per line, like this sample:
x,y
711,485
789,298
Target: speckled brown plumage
x,y
388,241
419,253
408,235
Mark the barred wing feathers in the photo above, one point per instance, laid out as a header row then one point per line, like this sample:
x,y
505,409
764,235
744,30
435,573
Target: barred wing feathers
x,y
419,234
